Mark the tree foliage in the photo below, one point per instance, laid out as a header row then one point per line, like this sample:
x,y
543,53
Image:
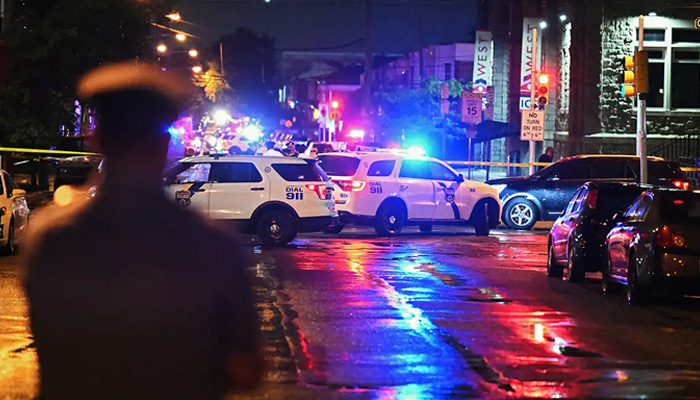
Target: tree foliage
x,y
413,114
52,44
215,87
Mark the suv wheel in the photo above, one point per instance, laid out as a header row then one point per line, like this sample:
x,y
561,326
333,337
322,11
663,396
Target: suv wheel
x,y
480,219
389,220
609,286
635,293
574,271
276,228
553,268
520,214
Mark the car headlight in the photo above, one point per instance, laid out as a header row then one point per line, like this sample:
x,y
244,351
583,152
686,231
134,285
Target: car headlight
x,y
499,188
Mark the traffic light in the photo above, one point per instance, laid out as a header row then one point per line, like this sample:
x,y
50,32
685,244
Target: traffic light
x,y
635,74
542,90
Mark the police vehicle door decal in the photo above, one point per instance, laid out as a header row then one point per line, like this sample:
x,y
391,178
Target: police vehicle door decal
x,y
184,197
450,197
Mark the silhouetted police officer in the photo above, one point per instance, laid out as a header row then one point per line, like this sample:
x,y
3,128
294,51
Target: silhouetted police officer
x,y
131,296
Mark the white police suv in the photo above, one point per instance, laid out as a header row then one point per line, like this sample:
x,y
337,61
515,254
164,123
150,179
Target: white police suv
x,y
390,190
274,197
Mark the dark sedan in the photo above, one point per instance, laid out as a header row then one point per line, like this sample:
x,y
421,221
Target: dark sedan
x,y
656,246
543,196
577,239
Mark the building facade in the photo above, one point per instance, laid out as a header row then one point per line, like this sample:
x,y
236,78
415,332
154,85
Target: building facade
x,y
582,47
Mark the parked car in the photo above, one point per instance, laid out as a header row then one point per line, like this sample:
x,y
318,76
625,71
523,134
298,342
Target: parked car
x,y
543,195
577,239
14,215
655,247
74,170
389,190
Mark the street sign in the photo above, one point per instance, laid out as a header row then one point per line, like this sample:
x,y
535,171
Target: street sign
x,y
532,125
323,117
444,107
444,92
471,107
471,131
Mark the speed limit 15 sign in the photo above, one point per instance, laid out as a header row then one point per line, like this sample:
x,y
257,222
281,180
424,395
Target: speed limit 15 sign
x,y
471,107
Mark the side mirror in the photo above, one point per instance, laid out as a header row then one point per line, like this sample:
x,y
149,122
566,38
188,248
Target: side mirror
x,y
460,178
18,192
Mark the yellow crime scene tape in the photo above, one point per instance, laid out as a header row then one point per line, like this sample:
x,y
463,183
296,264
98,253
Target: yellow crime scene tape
x,y
43,151
468,163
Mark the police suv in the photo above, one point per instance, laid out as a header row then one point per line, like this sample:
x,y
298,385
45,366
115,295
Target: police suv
x,y
273,197
390,189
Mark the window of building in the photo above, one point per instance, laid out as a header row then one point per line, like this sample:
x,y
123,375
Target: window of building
x,y
673,47
448,71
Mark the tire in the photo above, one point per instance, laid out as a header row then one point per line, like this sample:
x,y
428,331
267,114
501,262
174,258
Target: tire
x,y
276,227
574,272
335,229
480,219
554,270
520,214
390,219
426,228
607,285
10,248
635,293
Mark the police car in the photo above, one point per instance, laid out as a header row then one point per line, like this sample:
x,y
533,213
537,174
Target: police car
x,y
273,197
14,215
390,190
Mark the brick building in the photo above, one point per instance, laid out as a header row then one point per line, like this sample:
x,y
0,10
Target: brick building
x,y
582,44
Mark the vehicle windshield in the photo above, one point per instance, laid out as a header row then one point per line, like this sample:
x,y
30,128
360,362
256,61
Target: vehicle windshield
x,y
682,208
339,165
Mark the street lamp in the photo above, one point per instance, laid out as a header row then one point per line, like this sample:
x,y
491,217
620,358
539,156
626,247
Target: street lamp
x,y
193,53
543,24
162,48
180,37
197,69
174,16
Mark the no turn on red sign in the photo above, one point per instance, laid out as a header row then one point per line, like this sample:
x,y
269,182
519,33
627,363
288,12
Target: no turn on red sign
x,y
532,125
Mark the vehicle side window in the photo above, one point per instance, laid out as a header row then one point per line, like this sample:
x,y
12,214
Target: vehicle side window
x,y
641,211
381,168
632,208
195,173
581,200
572,203
574,169
415,169
440,172
235,172
9,184
609,168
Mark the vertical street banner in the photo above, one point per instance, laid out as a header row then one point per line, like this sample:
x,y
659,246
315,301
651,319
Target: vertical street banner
x,y
483,61
526,60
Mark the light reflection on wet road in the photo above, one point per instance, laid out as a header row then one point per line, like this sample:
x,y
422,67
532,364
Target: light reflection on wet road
x,y
434,316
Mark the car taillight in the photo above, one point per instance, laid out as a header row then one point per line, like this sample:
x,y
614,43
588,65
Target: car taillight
x,y
665,238
682,185
593,199
321,190
351,186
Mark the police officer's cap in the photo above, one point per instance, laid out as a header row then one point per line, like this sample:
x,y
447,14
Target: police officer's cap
x,y
134,98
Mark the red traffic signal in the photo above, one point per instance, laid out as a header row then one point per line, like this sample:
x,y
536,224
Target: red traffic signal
x,y
542,89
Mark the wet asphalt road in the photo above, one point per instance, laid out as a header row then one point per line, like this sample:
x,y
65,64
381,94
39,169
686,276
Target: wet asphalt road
x,y
446,315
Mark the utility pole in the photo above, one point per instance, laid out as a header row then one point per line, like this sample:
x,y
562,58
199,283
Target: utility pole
x,y
221,55
533,74
642,110
368,58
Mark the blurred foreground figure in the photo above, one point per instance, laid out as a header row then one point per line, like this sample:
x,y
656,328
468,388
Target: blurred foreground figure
x,y
131,296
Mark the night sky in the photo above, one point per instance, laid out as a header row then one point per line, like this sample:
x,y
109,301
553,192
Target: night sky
x,y
317,24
